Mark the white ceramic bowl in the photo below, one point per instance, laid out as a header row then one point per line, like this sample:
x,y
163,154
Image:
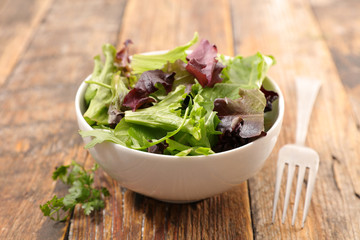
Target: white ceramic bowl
x,y
183,179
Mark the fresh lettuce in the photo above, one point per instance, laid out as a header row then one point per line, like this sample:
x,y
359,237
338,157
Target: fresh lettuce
x,y
149,82
178,104
100,97
202,63
182,76
141,63
131,135
178,149
248,72
245,113
118,93
163,115
91,89
99,136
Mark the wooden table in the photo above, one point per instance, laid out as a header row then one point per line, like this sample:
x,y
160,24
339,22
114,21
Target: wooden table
x,y
46,50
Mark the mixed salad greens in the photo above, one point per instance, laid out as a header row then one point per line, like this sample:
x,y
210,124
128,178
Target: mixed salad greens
x,y
177,103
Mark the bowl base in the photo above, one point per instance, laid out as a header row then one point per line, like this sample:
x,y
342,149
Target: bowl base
x,y
179,201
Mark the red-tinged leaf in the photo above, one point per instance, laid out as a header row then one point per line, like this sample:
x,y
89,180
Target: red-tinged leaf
x,y
158,148
182,76
115,116
122,56
231,140
194,67
146,85
202,63
245,114
149,79
270,96
136,98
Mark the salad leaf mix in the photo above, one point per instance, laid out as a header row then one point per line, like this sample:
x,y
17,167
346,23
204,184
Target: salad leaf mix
x,y
177,103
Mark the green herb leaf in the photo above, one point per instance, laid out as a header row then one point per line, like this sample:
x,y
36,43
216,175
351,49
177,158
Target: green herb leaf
x,y
53,207
81,191
88,208
60,173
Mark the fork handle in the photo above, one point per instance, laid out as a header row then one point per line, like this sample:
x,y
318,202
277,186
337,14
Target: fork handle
x,y
306,91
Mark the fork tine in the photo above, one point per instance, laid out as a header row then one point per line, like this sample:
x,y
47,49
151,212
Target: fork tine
x,y
309,190
301,174
291,170
279,173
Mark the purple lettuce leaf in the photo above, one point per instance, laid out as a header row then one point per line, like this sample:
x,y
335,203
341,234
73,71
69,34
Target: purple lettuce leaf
x,y
202,63
146,85
115,115
158,148
244,115
182,76
116,109
270,97
230,140
122,58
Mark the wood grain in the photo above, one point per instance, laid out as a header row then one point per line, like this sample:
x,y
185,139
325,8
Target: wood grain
x,y
289,31
18,22
166,24
46,47
38,126
342,34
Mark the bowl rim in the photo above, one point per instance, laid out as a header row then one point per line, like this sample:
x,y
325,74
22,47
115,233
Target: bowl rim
x,y
281,105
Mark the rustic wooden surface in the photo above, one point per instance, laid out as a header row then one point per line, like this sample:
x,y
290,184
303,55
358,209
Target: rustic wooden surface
x,y
46,50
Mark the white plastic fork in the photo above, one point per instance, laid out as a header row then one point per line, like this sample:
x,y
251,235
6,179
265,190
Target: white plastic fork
x,y
297,154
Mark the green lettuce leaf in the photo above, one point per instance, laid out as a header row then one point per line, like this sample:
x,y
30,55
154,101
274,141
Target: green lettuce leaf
x,y
204,123
141,63
248,72
164,115
178,149
131,135
101,135
145,143
118,92
97,111
92,88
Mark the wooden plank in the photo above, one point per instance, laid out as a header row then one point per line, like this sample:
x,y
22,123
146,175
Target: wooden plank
x,y
226,216
38,126
289,31
18,22
342,34
183,18
2,5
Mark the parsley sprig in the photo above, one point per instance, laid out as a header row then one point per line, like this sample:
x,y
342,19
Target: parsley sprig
x,y
81,192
